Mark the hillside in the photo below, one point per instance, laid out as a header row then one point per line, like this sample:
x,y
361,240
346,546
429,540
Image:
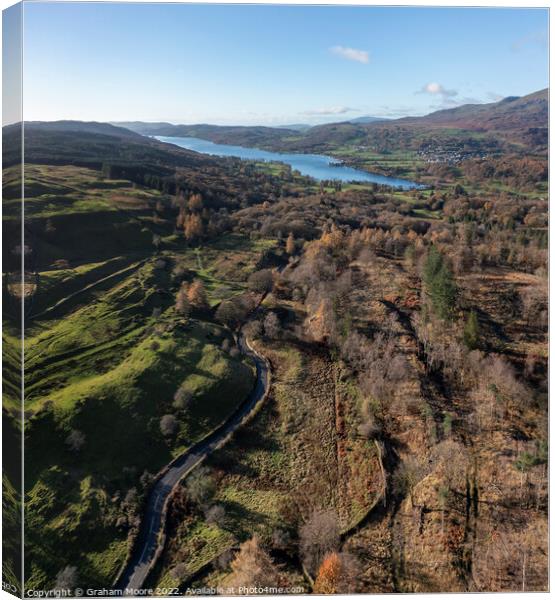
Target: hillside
x,y
515,120
406,333
510,114
91,144
239,135
84,126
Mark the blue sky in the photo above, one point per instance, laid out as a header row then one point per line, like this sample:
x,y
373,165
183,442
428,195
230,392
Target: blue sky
x,y
273,64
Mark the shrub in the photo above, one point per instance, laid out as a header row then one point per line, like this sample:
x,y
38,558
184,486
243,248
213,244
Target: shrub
x,y
168,425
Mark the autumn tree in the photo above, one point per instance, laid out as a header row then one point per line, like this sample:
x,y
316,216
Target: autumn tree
x,y
182,301
253,567
329,574
194,228
197,295
290,244
180,219
195,203
337,574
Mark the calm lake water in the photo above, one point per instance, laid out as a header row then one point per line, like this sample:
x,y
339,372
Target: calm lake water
x,y
314,165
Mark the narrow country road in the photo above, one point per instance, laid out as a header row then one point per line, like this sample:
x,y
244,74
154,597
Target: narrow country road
x,y
149,539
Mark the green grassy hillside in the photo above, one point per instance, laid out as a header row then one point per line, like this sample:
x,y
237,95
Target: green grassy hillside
x,y
105,353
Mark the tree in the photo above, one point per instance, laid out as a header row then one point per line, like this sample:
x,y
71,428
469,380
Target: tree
x,y
168,425
180,219
182,300
337,574
290,244
66,579
215,515
76,440
439,283
262,281
407,476
230,313
253,567
328,575
447,424
194,228
179,572
318,536
471,335
146,479
195,203
197,295
200,486
182,398
253,329
272,326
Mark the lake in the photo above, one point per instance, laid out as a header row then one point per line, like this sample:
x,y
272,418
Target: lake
x,y
314,165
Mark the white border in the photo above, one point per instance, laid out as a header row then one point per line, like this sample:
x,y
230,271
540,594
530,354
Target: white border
x,y
439,3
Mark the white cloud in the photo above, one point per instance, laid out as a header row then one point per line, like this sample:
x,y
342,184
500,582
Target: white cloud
x,y
361,56
332,110
436,89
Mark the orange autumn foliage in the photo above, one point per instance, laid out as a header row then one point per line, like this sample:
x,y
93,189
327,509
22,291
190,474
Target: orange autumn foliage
x,y
329,575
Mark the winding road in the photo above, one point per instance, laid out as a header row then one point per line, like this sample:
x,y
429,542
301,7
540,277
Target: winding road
x,y
150,540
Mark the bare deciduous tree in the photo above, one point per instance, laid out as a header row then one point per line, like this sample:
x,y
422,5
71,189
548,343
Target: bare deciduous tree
x,y
272,326
261,281
76,440
200,486
67,578
215,515
318,536
168,425
182,398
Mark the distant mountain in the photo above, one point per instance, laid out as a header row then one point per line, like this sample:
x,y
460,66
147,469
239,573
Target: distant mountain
x,y
220,134
143,128
367,119
519,121
85,126
296,126
510,114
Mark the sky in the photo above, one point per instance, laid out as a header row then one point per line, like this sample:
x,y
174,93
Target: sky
x,y
273,65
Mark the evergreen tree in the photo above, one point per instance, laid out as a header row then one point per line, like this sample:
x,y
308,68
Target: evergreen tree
x,y
439,284
471,335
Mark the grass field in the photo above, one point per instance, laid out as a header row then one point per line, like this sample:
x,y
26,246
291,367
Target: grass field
x,y
105,353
